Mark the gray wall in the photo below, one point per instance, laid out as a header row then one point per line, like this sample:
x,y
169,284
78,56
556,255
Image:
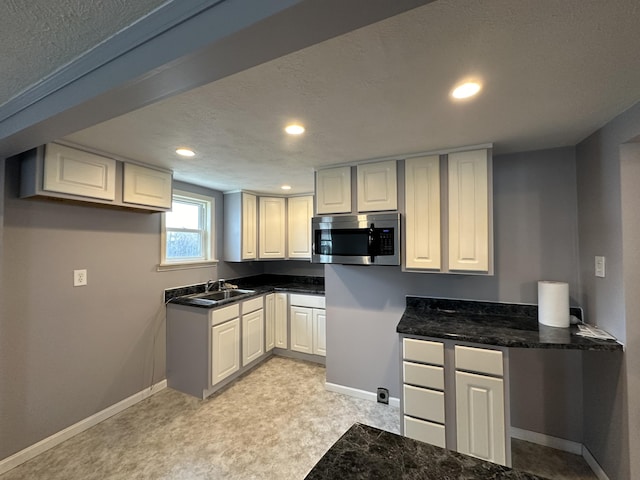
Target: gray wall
x,y
67,353
535,238
608,205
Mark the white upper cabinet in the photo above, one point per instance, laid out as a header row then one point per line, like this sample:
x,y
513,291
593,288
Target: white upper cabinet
x,y
272,227
469,211
422,213
333,190
300,212
67,170
249,221
146,186
377,186
240,227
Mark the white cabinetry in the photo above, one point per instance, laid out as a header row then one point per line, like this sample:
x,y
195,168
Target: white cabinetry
x,y
423,391
280,312
469,215
377,186
272,227
466,205
62,172
146,186
225,343
333,190
252,330
269,322
422,213
308,324
299,213
480,405
240,227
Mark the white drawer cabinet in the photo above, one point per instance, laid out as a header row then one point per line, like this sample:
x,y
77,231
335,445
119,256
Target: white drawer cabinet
x,y
423,375
423,351
424,403
424,431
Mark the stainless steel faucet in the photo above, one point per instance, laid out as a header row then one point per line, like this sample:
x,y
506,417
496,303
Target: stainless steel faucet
x,y
221,282
209,286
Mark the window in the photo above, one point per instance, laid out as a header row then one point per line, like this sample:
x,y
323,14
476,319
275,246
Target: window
x,y
188,230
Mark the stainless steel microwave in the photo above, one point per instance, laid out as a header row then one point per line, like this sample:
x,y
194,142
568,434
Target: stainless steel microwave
x,y
372,239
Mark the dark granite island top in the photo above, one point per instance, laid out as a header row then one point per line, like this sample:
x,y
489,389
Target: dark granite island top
x,y
365,452
499,324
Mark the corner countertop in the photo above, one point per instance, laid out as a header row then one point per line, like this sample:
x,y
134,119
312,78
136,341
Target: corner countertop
x,y
365,452
260,284
499,324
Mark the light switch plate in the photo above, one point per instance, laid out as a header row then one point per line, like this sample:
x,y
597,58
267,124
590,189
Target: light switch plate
x,y
79,278
600,267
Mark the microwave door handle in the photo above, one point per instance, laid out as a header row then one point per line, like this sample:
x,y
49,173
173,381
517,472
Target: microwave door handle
x,y
371,244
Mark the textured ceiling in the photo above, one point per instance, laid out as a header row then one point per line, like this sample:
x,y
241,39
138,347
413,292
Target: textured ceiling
x,y
39,36
553,72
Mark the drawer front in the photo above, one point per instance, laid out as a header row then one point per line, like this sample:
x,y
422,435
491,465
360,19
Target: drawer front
x,y
427,432
252,305
223,314
479,360
423,403
423,351
423,375
312,301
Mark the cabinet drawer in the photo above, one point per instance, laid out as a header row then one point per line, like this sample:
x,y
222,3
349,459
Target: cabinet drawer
x,y
252,305
423,351
423,375
423,403
312,301
223,314
479,360
427,432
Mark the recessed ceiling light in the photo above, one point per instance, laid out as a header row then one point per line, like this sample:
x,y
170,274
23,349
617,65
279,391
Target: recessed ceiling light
x,y
185,152
286,187
466,90
294,129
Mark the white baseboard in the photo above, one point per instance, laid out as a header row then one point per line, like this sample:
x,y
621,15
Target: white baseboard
x,y
72,430
547,440
595,466
363,394
561,444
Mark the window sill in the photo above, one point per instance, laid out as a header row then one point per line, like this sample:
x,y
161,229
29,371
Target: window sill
x,y
167,267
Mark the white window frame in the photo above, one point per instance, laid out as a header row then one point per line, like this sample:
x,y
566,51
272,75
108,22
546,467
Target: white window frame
x,y
210,258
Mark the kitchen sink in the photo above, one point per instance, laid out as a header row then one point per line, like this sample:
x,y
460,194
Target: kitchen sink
x,y
218,296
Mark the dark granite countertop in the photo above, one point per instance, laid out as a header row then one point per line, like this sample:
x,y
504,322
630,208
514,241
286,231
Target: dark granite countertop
x,y
506,325
260,284
365,452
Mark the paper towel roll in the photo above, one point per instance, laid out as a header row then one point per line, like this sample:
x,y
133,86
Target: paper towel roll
x,y
553,304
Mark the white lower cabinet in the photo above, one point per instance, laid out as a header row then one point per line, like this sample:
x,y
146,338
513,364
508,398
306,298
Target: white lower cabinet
x,y
458,387
280,320
480,416
252,330
270,322
308,324
225,350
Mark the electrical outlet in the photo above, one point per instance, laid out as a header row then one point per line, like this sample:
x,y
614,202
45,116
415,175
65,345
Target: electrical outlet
x,y
79,278
599,266
383,395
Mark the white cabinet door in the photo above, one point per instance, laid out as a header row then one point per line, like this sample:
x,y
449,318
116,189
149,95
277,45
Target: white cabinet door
x,y
480,417
469,215
67,170
377,186
270,319
422,213
252,336
281,334
272,227
333,190
225,350
146,186
249,222
302,329
300,212
319,332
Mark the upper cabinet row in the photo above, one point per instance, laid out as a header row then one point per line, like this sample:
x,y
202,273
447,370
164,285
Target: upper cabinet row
x,y
266,228
57,171
377,188
447,206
